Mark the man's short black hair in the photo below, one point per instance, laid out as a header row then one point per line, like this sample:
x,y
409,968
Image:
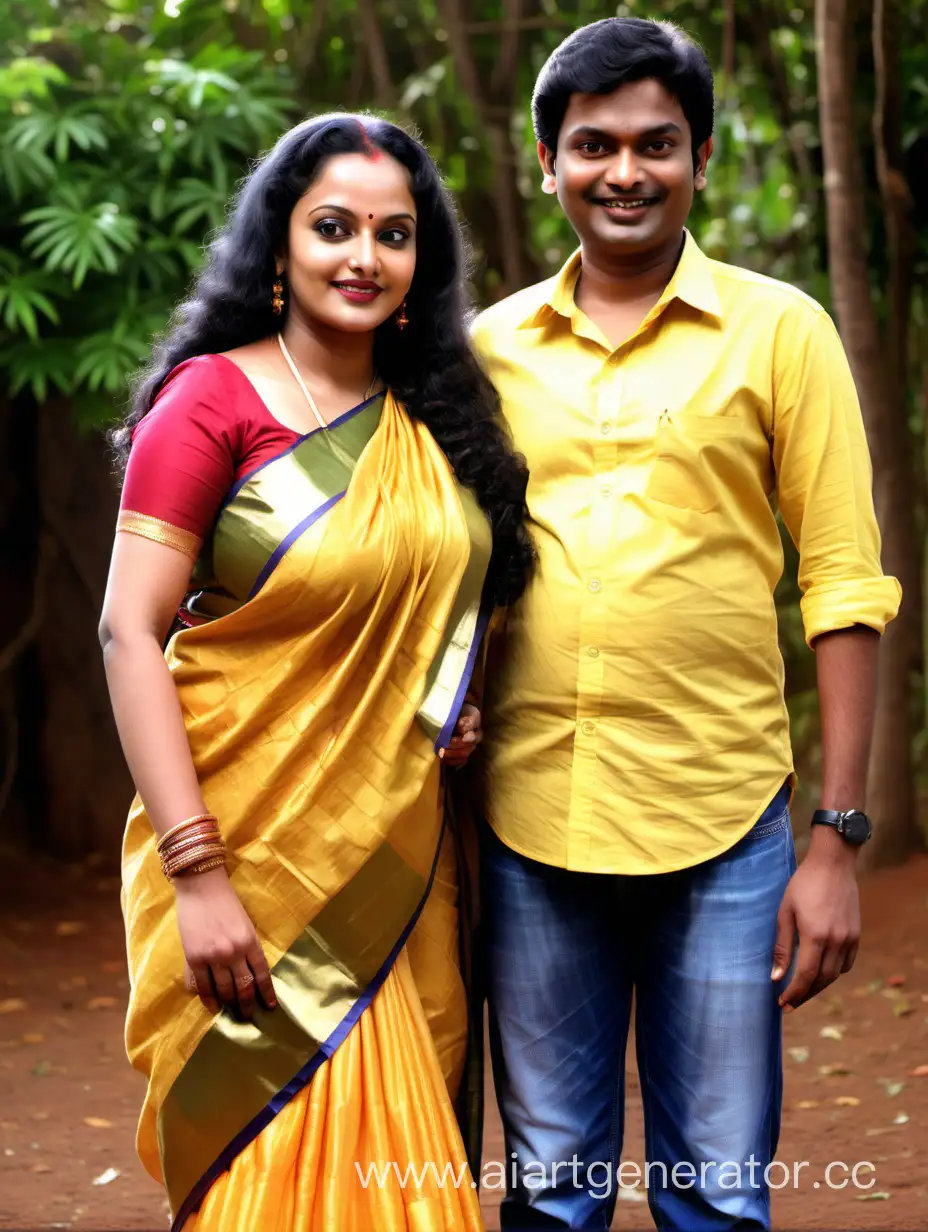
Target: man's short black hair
x,y
598,58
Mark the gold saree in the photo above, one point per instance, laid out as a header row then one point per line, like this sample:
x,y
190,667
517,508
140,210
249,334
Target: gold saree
x,y
343,629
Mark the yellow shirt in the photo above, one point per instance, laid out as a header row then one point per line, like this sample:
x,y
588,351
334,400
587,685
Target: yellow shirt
x,y
634,709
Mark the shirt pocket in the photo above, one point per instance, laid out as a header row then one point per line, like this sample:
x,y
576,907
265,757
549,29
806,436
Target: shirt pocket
x,y
686,447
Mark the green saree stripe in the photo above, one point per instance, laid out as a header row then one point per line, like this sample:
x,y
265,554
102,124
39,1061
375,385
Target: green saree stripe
x,y
451,665
280,496
238,1067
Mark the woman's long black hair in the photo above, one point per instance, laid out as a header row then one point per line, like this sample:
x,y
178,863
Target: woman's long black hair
x,y
429,365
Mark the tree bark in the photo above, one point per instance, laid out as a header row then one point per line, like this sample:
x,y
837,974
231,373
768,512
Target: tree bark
x,y
891,794
495,115
372,36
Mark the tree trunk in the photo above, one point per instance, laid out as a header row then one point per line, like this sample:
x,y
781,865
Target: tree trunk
x,y
494,109
891,794
87,785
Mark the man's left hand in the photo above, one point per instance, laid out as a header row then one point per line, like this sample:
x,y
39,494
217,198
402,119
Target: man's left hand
x,y
822,905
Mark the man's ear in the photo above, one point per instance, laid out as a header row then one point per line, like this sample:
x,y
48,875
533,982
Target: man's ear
x,y
703,154
546,159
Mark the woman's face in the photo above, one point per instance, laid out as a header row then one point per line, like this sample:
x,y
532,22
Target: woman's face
x,y
352,243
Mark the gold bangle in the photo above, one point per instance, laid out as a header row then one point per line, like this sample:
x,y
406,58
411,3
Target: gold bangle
x,y
200,817
183,853
204,866
183,841
203,851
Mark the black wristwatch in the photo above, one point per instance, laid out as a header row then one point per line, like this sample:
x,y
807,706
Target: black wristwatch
x,y
854,826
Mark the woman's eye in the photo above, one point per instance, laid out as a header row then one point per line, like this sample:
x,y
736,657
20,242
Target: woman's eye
x,y
331,229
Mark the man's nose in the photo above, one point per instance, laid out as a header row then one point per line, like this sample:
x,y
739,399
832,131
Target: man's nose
x,y
624,170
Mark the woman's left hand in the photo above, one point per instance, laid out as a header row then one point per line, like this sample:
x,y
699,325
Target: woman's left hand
x,y
467,735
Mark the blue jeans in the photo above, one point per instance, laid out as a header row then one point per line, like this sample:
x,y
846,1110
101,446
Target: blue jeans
x,y
565,951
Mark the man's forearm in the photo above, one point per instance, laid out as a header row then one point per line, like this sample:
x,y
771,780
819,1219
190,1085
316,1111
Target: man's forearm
x,y
846,664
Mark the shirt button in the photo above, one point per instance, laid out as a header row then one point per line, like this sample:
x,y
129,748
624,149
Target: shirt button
x,y
595,585
593,652
588,728
605,427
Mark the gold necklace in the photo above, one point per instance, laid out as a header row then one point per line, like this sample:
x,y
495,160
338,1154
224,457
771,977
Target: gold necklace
x,y
298,377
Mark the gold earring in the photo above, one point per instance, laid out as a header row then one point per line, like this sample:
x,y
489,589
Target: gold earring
x,y
402,320
277,303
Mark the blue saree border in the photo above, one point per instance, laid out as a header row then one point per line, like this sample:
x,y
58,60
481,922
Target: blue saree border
x,y
289,539
327,1049
483,620
335,423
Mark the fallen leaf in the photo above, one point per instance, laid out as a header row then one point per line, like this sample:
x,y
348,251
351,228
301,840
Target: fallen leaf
x,y
920,1071
807,1103
33,1037
834,1071
832,1033
106,1177
43,1069
901,1118
102,1003
799,1054
894,1088
40,1168
98,1122
11,1005
895,981
69,928
847,1101
873,1197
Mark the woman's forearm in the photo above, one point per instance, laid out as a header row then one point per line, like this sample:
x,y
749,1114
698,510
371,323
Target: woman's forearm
x,y
151,729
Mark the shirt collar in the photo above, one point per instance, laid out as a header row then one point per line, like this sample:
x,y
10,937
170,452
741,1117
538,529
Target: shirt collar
x,y
692,282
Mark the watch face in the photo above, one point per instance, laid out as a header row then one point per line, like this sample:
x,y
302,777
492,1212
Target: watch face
x,y
855,827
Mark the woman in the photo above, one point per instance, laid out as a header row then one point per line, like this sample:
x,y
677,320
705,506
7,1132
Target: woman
x,y
316,442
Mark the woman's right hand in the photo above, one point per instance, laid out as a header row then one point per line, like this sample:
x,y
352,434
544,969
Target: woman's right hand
x,y
224,956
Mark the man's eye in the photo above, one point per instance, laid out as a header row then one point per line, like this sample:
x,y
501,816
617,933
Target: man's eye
x,y
331,229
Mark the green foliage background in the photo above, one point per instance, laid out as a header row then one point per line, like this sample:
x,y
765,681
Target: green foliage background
x,y
124,127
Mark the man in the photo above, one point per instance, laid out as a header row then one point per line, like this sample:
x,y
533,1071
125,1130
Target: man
x,y
638,769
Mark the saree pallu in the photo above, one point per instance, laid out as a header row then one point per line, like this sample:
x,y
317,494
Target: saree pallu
x,y
331,667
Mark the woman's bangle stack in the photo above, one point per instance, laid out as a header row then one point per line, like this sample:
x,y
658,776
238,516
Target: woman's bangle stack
x,y
193,846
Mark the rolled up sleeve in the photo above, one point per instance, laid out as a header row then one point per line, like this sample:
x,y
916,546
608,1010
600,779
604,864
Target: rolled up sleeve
x,y
824,479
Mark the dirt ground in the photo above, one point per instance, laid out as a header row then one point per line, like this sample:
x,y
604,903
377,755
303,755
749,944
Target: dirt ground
x,y
856,1070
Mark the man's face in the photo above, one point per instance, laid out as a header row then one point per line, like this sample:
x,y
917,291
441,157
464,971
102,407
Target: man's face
x,y
624,171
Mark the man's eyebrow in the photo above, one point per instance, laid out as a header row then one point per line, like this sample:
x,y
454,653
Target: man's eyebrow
x,y
589,132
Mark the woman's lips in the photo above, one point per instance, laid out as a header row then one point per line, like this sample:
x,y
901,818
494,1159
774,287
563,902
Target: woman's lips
x,y
357,293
